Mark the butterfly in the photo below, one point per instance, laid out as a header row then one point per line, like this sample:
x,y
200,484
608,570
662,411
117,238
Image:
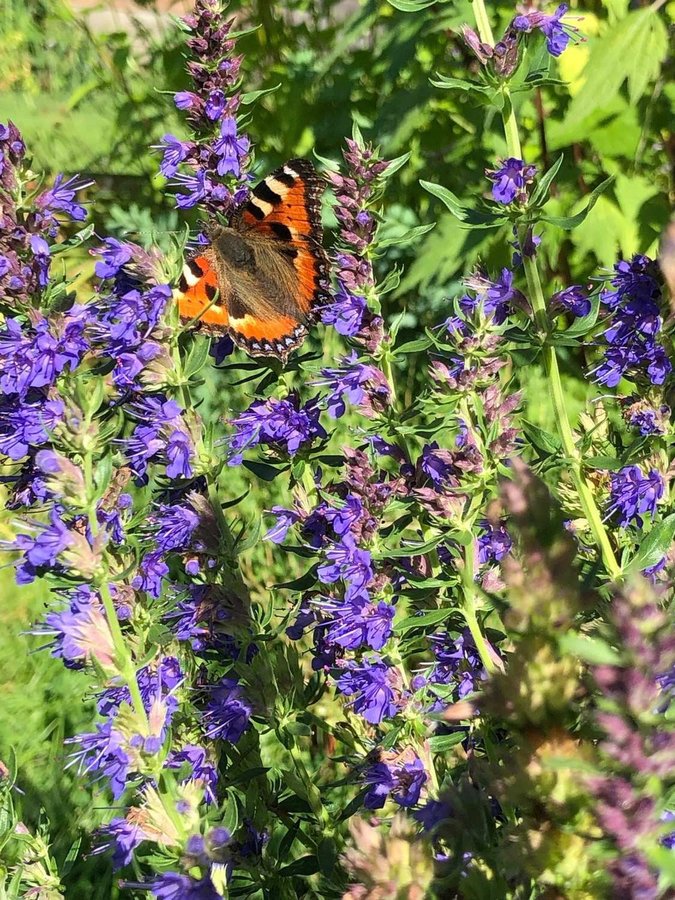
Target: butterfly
x,y
264,275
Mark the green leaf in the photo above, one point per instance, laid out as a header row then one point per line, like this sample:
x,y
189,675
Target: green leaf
x,y
408,237
602,462
569,222
249,97
327,855
655,546
583,325
72,242
306,865
459,84
411,5
197,357
631,50
441,742
395,164
540,193
429,618
263,470
413,346
544,440
410,549
592,650
470,218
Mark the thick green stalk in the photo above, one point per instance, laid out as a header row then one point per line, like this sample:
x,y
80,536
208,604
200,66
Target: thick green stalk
x,y
482,22
588,504
469,609
123,659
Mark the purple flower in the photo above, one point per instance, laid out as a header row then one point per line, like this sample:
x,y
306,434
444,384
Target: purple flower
x,y
286,518
573,300
227,715
175,152
372,685
403,779
215,104
81,632
493,298
102,752
198,188
151,572
557,33
116,254
633,493
436,464
346,313
358,622
457,662
27,424
174,527
361,385
173,886
647,420
634,324
42,551
162,437
494,543
510,180
122,838
230,148
347,562
201,768
61,198
284,425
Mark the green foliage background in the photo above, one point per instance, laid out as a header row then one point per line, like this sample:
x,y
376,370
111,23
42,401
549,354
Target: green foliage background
x,y
94,102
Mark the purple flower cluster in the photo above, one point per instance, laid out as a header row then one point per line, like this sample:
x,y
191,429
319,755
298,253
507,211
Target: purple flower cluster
x,y
355,193
26,233
285,426
162,436
632,494
121,747
632,347
126,317
359,384
401,776
638,749
510,180
558,34
209,169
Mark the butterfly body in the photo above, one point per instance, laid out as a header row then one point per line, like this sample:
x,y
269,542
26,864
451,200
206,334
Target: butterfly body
x,y
263,275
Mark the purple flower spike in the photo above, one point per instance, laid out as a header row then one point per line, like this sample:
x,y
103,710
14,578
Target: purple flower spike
x,y
633,493
372,685
401,777
558,33
573,300
510,180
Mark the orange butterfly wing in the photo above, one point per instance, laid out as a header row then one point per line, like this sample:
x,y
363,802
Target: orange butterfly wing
x,y
284,210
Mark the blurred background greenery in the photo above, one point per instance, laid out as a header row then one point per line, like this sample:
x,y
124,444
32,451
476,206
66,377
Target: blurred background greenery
x,y
90,87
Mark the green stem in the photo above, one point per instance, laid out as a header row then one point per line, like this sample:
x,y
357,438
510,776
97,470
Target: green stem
x,y
313,793
483,22
541,319
513,146
469,609
588,504
123,658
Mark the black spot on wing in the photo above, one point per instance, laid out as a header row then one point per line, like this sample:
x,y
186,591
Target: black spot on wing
x,y
256,211
265,193
211,291
285,178
281,231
